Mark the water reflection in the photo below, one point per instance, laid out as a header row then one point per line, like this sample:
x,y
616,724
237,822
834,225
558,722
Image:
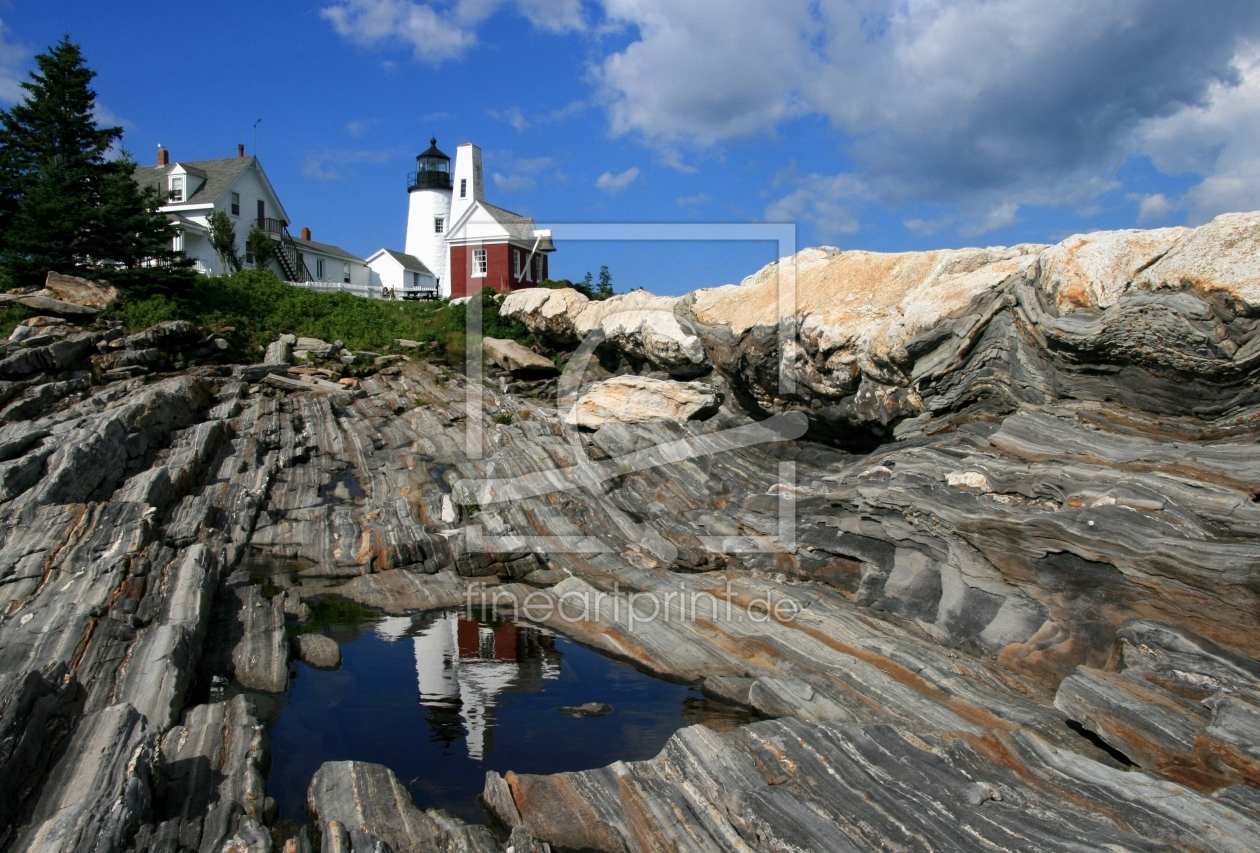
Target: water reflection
x,y
464,666
440,698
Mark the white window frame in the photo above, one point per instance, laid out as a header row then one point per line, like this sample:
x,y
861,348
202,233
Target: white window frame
x,y
179,240
516,263
439,224
345,273
177,186
463,188
415,280
235,202
480,263
319,269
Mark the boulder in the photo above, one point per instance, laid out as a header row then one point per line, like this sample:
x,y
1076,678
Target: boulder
x,y
314,346
372,806
169,335
80,291
317,650
639,400
279,352
644,327
517,359
59,307
647,328
547,312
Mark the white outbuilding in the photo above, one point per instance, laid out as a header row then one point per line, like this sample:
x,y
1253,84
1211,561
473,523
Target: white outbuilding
x,y
402,276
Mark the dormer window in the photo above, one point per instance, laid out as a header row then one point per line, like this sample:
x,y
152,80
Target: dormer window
x,y
177,188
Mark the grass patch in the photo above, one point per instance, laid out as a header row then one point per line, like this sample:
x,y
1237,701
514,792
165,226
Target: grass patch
x,y
257,308
330,611
503,418
13,316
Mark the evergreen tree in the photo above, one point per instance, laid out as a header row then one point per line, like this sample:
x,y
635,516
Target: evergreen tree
x,y
64,204
604,289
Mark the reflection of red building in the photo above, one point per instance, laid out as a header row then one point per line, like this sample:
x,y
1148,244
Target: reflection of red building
x,y
464,666
478,642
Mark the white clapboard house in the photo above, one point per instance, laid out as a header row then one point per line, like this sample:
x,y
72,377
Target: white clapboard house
x,y
239,187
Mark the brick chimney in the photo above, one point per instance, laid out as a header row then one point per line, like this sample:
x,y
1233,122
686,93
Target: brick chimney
x,y
306,233
163,156
240,149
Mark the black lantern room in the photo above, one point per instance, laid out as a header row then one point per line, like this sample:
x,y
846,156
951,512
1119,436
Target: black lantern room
x,y
433,170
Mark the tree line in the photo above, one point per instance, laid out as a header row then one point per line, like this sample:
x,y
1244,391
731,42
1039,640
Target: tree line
x,y
68,199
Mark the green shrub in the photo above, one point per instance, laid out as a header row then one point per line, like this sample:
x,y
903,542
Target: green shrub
x,y
13,316
259,307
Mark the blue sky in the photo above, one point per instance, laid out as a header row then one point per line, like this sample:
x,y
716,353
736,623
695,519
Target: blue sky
x,y
887,125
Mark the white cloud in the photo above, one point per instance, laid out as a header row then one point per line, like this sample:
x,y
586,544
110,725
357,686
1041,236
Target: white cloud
x,y
830,204
976,104
697,200
518,173
1155,208
979,107
12,56
322,166
567,111
512,116
613,184
433,36
1216,139
438,32
927,227
509,183
995,218
705,70
358,127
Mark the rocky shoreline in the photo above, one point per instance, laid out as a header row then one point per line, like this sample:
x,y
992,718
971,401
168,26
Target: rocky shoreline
x,y
1015,607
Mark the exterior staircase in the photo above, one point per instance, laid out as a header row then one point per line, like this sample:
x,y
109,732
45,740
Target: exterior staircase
x,y
287,255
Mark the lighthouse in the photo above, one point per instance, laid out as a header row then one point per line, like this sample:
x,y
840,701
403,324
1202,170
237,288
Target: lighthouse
x,y
429,212
459,238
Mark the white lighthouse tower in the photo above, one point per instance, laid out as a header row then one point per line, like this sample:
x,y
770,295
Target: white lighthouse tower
x,y
429,212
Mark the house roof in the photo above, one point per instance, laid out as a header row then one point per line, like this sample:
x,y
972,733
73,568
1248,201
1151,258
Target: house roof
x,y
520,227
219,176
517,227
409,262
190,169
326,249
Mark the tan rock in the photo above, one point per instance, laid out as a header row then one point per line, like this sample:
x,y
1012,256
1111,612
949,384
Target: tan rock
x,y
646,327
80,291
1223,255
638,400
1094,270
317,650
516,358
866,302
545,311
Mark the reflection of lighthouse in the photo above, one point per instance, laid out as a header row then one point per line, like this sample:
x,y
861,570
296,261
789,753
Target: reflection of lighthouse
x,y
465,665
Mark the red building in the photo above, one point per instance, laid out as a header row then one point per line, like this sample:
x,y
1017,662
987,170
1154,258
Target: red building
x,y
486,245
